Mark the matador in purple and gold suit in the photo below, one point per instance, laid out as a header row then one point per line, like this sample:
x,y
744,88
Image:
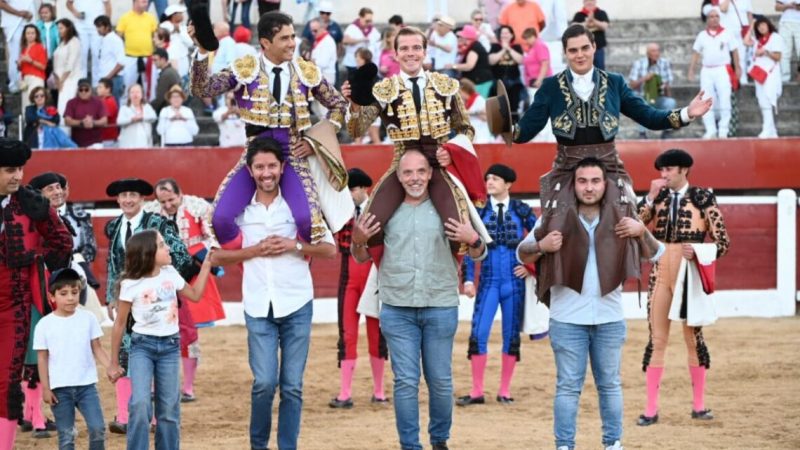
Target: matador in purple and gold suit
x,y
305,184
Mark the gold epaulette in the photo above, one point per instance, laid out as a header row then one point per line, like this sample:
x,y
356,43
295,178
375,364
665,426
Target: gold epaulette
x,y
309,73
387,90
196,206
245,69
443,85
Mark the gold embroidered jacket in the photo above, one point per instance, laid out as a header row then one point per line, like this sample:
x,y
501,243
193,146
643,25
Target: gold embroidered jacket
x,y
698,215
442,111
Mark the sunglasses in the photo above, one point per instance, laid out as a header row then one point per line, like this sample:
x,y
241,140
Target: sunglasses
x,y
38,96
314,30
324,12
84,89
477,19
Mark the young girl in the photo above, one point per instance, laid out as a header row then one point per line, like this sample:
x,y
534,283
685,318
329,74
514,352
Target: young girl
x,y
149,290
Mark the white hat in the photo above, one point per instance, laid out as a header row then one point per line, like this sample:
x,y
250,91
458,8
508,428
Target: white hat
x,y
174,9
325,6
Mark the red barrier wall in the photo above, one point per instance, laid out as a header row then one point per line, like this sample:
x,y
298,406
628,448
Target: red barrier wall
x,y
730,165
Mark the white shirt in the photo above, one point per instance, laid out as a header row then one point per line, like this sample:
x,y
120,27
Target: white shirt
x,y
11,21
134,221
231,129
442,57
179,45
176,131
111,53
224,55
790,15
555,13
483,38
583,84
68,341
774,44
285,75
154,302
715,50
282,282
421,82
373,43
324,56
496,202
92,8
136,134
733,21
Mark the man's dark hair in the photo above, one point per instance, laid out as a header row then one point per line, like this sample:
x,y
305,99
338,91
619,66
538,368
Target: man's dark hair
x,y
168,184
364,11
396,20
263,145
410,31
574,31
591,161
106,82
161,53
271,23
102,21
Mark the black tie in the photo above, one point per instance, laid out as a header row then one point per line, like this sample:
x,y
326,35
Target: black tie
x,y
500,217
128,232
416,93
276,84
674,215
358,211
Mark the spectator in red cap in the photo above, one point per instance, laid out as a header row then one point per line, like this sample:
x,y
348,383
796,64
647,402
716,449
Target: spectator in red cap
x,y
473,60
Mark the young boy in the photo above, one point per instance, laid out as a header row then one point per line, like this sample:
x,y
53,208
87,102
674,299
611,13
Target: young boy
x,y
65,340
111,132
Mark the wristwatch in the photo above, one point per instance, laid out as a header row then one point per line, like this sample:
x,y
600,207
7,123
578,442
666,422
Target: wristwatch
x,y
298,246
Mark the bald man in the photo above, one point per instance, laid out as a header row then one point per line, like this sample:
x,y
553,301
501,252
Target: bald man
x,y
225,55
651,78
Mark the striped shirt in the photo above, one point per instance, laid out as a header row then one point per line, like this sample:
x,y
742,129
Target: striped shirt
x,y
642,67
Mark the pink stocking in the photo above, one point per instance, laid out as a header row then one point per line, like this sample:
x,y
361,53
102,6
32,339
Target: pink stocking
x,y
377,365
189,370
8,433
27,410
698,375
123,386
33,403
346,373
506,373
653,378
478,363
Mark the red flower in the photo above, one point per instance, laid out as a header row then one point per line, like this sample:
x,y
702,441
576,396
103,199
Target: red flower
x,y
51,110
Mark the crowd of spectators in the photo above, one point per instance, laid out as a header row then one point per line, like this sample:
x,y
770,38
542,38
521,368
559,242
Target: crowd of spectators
x,y
147,53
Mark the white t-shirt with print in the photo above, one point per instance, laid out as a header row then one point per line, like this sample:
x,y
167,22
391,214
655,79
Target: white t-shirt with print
x,y
155,302
68,341
715,50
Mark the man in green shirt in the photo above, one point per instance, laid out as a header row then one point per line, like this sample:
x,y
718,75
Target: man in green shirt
x,y
418,279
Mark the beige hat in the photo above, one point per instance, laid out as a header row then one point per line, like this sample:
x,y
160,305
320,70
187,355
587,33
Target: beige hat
x,y
176,88
448,21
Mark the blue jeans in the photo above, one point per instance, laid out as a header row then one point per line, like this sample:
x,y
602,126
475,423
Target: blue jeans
x,y
602,344
661,103
117,88
600,58
264,336
161,6
154,358
87,401
245,13
411,334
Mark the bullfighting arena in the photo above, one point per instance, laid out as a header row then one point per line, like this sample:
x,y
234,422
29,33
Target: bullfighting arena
x,y
753,389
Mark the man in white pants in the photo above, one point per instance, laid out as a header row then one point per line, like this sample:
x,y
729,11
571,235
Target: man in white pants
x,y
715,45
556,21
15,15
735,14
85,12
789,29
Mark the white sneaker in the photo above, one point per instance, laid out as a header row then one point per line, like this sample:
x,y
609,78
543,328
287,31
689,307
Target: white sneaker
x,y
563,447
710,135
617,446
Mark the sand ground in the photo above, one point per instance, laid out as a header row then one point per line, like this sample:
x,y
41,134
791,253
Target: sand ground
x,y
753,389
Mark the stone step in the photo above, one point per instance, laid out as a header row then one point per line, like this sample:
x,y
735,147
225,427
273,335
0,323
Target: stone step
x,y
657,29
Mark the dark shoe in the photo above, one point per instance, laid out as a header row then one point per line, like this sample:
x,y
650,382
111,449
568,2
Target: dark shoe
x,y
382,401
49,425
642,135
341,404
645,421
25,426
187,398
117,428
467,400
440,446
505,400
41,434
702,415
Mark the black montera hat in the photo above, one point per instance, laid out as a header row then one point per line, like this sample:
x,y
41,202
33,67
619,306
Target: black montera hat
x,y
502,171
674,157
358,178
13,153
129,185
46,179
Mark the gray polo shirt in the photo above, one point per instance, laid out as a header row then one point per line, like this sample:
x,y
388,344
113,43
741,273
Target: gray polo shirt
x,y
417,269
